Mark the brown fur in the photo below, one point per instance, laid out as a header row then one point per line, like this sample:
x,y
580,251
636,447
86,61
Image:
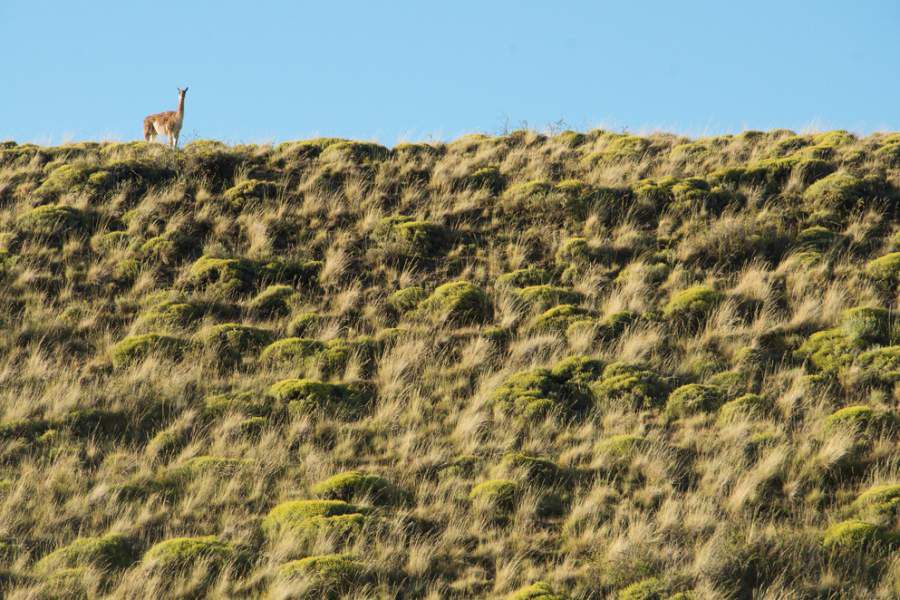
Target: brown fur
x,y
166,123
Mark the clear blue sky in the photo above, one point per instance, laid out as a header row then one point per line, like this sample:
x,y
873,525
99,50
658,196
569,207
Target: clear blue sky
x,y
389,71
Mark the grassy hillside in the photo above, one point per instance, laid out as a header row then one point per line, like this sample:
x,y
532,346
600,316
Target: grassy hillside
x,y
579,366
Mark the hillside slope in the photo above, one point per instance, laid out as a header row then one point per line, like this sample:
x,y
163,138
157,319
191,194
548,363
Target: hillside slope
x,y
578,366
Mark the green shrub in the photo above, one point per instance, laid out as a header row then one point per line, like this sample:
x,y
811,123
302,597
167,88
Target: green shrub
x,y
304,396
407,299
137,347
693,303
274,301
488,178
249,192
857,417
293,350
458,303
618,447
559,318
578,370
329,574
751,405
224,276
243,402
521,278
539,392
537,470
536,591
229,342
853,533
646,589
404,237
351,484
545,296
108,552
305,324
830,351
52,221
311,516
691,399
879,503
183,553
356,152
836,192
816,238
878,366
629,384
868,324
496,496
885,269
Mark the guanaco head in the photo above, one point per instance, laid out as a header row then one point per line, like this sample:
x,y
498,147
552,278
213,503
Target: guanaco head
x,y
182,92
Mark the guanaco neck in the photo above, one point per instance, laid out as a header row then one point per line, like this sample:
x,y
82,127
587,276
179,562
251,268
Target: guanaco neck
x,y
180,104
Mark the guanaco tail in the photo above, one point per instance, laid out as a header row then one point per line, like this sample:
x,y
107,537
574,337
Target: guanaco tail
x,y
166,123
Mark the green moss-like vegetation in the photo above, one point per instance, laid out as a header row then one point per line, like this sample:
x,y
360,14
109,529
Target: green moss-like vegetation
x,y
885,269
224,276
539,392
878,366
629,384
852,534
248,192
651,588
137,347
274,301
829,351
521,278
838,191
869,324
495,495
293,350
328,574
458,303
351,484
747,405
856,417
536,591
229,342
309,516
559,318
52,220
692,303
537,470
111,551
879,503
693,398
545,296
304,396
185,552
407,299
404,237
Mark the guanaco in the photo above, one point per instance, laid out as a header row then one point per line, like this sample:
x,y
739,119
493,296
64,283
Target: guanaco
x,y
166,123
